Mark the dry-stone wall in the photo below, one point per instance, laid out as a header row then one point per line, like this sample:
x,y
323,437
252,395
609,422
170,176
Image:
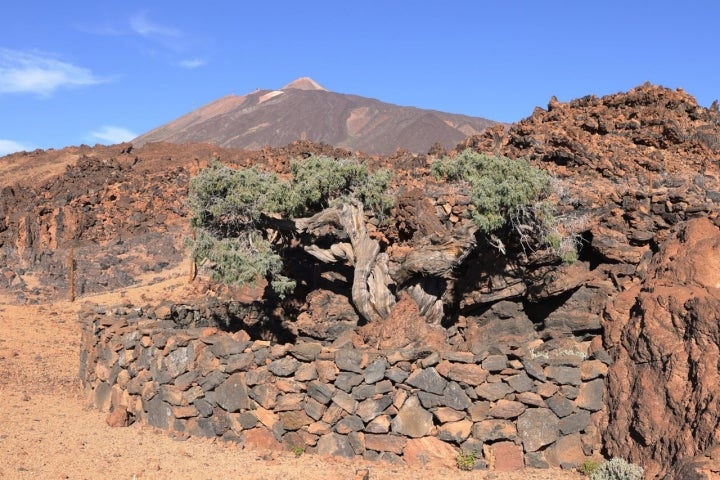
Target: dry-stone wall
x,y
414,405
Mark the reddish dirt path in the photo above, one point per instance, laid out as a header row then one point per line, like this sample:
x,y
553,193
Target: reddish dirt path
x,y
48,432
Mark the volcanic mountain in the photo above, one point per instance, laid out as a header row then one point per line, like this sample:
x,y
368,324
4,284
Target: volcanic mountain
x,y
304,110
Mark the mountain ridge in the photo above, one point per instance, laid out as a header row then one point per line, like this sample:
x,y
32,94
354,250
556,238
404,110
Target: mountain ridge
x,y
304,110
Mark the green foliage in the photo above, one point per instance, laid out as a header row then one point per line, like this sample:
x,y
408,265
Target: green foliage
x,y
617,469
511,194
319,182
298,450
225,200
569,256
500,188
241,260
230,208
373,192
466,460
588,467
564,246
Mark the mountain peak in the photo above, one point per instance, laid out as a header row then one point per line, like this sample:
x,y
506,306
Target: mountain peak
x,y
304,83
304,110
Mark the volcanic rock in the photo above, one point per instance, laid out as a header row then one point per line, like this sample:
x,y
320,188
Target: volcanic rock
x,y
663,381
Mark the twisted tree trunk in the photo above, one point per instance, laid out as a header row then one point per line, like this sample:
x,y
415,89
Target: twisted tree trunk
x,y
370,287
373,272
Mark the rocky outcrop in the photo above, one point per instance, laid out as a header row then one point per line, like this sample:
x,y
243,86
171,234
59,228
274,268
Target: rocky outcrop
x,y
649,128
665,335
630,165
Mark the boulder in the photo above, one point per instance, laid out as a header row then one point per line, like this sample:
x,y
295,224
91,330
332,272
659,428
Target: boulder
x,y
503,326
335,445
371,408
412,420
493,391
283,367
567,452
504,456
295,420
329,315
351,423
591,394
575,422
429,451
118,417
385,443
506,409
538,427
491,430
579,314
427,379
375,371
456,432
469,374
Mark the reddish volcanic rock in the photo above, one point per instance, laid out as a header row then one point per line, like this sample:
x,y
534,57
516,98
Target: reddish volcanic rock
x,y
648,128
662,387
405,327
429,451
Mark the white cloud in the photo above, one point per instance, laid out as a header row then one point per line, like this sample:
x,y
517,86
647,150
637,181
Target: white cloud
x,y
9,146
143,26
109,134
193,63
40,73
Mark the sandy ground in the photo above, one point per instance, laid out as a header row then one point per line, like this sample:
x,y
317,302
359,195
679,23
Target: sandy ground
x,y
47,431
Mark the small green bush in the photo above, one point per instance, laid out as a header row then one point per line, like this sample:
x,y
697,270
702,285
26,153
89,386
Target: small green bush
x,y
588,467
318,182
617,469
513,195
241,260
466,460
500,187
225,200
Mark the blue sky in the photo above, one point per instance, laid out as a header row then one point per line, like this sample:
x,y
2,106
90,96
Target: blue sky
x,y
104,71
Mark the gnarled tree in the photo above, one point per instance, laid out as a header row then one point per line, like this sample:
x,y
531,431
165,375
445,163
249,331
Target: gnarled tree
x,y
248,220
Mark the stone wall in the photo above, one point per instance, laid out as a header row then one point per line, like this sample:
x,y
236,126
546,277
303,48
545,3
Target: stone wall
x,y
531,407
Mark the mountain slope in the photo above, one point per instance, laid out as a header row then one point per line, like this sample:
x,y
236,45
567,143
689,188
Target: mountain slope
x,y
303,110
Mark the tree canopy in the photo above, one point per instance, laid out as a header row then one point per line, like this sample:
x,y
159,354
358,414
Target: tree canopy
x,y
247,220
234,212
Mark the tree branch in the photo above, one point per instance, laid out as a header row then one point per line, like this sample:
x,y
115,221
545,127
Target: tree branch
x,y
437,259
